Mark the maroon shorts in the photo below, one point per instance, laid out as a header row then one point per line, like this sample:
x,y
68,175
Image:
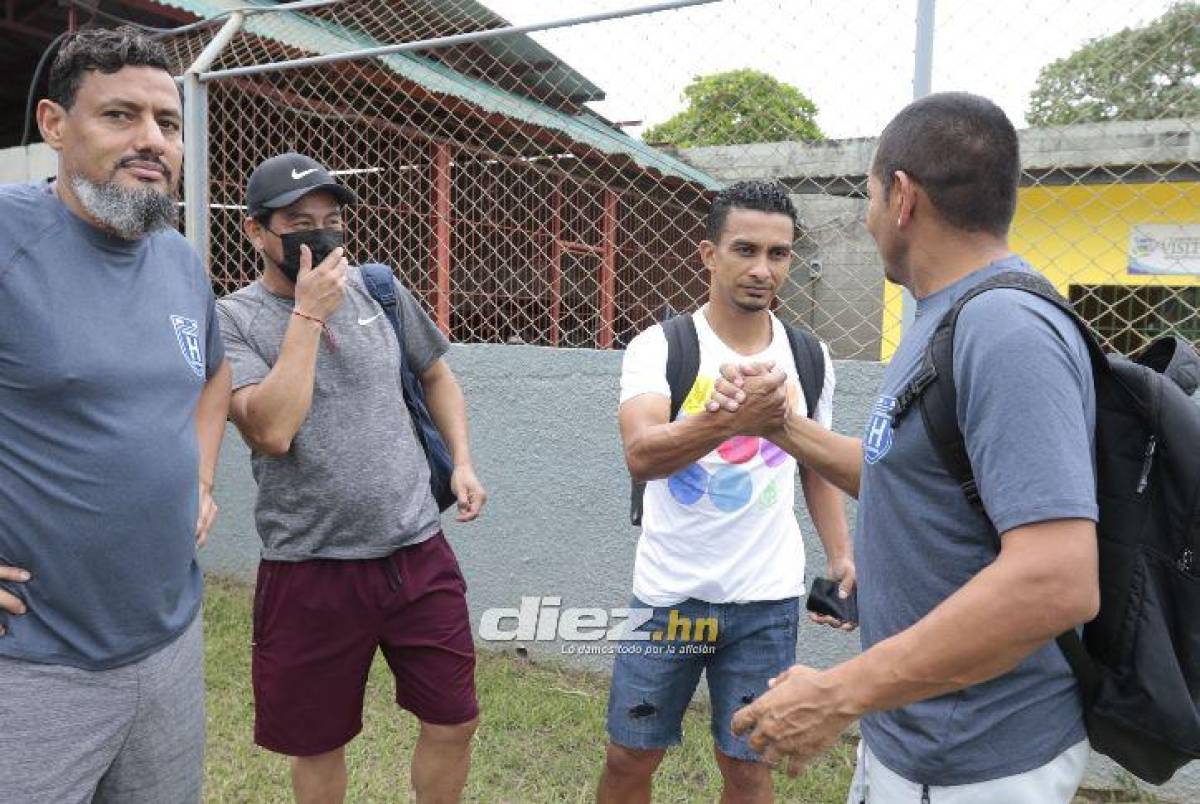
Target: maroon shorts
x,y
316,627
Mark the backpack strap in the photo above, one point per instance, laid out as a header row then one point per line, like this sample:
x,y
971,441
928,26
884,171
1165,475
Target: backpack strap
x,y
933,386
810,364
380,283
683,364
683,358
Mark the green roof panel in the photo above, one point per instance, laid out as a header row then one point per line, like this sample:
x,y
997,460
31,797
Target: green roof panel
x,y
322,37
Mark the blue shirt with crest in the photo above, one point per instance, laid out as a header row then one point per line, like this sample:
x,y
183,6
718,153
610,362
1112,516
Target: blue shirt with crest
x,y
1026,406
105,346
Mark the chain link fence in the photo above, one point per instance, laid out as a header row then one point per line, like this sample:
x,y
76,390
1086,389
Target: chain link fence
x,y
545,188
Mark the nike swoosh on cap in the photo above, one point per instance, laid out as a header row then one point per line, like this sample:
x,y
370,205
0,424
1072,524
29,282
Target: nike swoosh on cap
x,y
364,322
302,173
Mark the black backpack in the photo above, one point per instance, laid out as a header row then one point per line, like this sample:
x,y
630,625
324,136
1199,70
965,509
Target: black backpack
x,y
379,280
1138,663
683,363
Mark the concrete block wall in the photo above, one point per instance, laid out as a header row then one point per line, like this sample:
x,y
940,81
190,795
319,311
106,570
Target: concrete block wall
x,y
828,179
839,280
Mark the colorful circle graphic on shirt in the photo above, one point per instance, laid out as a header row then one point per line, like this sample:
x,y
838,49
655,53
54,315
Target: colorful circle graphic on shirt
x,y
739,449
689,484
696,399
730,488
772,454
769,496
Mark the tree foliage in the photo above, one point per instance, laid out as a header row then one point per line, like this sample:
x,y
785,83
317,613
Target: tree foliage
x,y
1135,74
736,108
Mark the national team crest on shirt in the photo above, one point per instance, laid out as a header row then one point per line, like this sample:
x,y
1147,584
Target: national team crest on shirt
x,y
877,439
187,332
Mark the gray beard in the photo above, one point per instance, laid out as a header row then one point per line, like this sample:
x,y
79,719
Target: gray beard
x,y
131,214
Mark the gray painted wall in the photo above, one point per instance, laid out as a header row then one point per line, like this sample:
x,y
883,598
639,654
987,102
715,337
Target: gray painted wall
x,y
545,441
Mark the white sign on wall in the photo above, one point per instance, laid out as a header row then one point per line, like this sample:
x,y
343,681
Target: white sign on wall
x,y
1164,248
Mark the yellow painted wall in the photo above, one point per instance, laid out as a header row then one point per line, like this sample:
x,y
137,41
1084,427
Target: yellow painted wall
x,y
1079,234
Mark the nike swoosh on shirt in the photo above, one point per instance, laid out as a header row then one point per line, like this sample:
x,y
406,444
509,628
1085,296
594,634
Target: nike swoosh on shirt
x,y
302,174
365,321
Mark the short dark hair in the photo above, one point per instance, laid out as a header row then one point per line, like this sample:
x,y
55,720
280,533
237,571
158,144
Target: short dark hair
x,y
761,196
103,50
963,151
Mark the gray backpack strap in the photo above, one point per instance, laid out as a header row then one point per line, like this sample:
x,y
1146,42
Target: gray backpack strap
x,y
683,364
810,364
933,387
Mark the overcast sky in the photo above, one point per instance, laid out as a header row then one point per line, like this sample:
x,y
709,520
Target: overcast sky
x,y
852,57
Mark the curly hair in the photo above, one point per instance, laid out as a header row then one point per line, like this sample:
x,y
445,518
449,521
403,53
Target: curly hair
x,y
761,196
103,50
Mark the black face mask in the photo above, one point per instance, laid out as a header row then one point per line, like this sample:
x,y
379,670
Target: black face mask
x,y
321,242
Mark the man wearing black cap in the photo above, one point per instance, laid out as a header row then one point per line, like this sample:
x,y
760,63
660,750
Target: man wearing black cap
x,y
353,554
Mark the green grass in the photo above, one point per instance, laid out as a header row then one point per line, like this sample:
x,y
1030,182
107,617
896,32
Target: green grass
x,y
541,737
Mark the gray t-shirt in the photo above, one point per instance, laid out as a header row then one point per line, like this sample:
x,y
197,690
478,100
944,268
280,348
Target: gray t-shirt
x,y
105,346
355,483
1026,406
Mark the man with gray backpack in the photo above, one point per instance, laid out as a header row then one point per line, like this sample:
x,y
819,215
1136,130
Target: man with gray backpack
x,y
1016,488
358,435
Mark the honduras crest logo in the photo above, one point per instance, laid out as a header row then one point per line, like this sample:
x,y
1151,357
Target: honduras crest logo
x,y
187,332
877,440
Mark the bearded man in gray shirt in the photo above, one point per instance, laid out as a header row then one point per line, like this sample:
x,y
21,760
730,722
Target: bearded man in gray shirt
x,y
354,558
113,398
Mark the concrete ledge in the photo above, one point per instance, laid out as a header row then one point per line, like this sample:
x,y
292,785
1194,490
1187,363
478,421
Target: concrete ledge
x,y
1082,146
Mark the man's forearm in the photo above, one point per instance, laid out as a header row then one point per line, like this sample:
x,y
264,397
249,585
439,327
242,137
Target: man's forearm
x,y
212,410
826,506
661,450
448,408
836,457
985,629
279,404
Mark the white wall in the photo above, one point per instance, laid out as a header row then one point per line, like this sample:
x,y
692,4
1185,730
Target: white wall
x,y
27,163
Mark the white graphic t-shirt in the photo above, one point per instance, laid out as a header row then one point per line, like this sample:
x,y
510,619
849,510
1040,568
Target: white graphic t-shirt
x,y
722,529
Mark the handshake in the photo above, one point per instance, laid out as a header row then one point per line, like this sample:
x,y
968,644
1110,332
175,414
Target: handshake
x,y
755,395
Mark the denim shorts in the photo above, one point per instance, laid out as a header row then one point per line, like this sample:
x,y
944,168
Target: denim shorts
x,y
739,646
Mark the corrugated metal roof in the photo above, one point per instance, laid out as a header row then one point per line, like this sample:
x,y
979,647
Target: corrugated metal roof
x,y
321,37
559,76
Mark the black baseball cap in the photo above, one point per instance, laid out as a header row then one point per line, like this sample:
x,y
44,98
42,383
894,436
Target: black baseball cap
x,y
284,179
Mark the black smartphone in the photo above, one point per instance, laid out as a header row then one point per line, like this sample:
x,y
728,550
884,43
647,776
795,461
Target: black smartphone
x,y
823,599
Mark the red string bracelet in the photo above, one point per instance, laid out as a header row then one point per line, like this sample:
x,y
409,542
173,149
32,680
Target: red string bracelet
x,y
324,327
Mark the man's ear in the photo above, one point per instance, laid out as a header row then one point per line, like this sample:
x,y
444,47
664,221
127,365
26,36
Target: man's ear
x,y
708,254
253,230
904,193
51,118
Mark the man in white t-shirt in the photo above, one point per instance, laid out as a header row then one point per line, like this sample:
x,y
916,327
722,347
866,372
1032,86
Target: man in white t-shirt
x,y
720,559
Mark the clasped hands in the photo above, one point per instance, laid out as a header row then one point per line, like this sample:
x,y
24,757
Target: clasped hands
x,y
756,395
